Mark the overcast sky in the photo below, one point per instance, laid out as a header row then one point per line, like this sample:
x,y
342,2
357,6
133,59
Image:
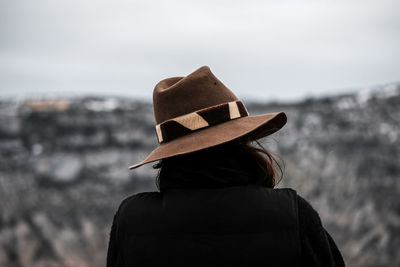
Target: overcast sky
x,y
260,49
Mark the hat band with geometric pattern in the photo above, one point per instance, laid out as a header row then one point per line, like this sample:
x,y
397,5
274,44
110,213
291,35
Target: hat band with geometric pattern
x,y
188,123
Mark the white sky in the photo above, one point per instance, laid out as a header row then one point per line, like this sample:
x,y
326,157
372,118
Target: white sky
x,y
265,49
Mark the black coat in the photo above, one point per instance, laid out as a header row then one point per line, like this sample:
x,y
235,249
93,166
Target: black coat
x,y
235,226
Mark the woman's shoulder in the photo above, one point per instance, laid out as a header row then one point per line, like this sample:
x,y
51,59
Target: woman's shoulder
x,y
308,217
140,195
137,200
307,213
305,209
318,247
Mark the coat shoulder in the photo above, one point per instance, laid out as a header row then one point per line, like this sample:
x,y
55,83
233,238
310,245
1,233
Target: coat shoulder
x,y
290,194
136,200
286,190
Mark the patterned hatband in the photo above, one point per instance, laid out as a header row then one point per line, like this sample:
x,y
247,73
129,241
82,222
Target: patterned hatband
x,y
188,123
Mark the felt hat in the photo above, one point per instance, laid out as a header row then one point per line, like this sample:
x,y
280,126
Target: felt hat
x,y
198,111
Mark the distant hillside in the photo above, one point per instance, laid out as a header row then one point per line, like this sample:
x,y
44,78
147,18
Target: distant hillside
x,y
63,172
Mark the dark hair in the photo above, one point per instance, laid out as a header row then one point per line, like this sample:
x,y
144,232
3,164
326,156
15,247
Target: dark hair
x,y
234,163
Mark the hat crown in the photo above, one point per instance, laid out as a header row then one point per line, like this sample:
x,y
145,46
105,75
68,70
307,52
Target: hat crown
x,y
177,96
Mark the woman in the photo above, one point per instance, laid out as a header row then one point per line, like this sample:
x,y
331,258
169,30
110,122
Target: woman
x,y
216,204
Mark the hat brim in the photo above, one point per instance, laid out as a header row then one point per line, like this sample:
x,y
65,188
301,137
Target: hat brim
x,y
254,127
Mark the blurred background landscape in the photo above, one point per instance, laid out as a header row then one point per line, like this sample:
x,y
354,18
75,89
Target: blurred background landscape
x,y
64,171
76,81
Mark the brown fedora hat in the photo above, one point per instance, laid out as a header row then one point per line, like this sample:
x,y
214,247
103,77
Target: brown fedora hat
x,y
198,111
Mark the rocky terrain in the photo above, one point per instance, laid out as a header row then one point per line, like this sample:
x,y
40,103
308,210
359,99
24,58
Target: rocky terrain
x,y
63,172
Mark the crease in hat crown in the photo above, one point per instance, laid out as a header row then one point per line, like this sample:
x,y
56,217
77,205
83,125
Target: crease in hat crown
x,y
202,94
